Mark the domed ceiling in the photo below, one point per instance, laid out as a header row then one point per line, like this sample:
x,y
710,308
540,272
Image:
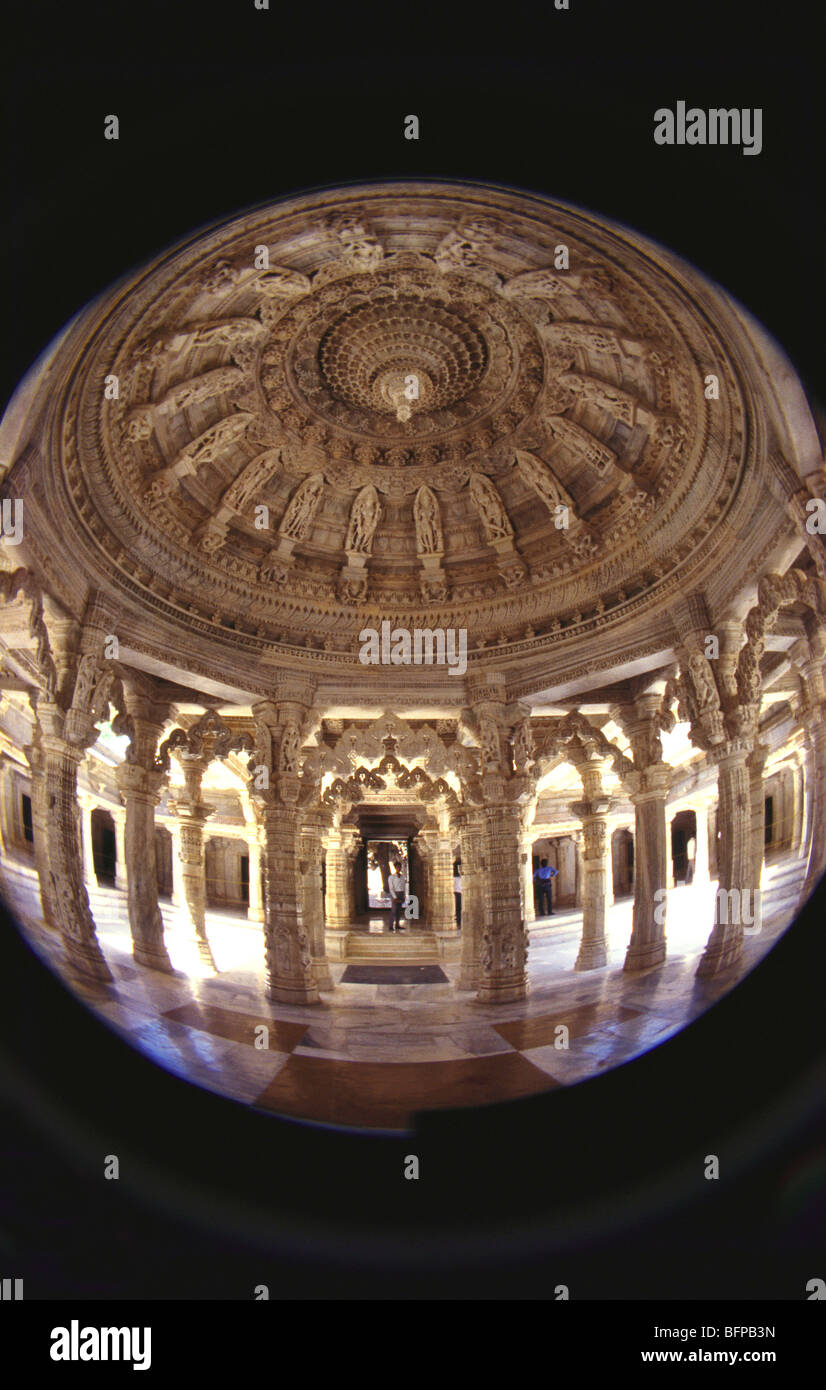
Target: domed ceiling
x,y
430,404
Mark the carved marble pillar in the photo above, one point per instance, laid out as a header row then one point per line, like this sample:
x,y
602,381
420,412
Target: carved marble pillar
x,y
280,725
40,829
592,812
255,910
734,897
647,945
67,892
342,846
756,764
86,844
474,907
139,788
526,860
441,915
178,899
503,950
701,837
192,817
816,743
289,960
310,856
121,863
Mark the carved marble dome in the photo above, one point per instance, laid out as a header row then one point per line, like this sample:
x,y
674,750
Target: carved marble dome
x,y
582,480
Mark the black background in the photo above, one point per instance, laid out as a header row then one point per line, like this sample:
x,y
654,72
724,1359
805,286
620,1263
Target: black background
x,y
599,1187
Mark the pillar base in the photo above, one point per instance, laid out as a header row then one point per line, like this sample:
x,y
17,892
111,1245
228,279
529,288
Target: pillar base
x,y
716,959
335,940
592,957
255,914
293,994
645,956
205,953
467,979
504,992
448,944
152,957
87,962
321,970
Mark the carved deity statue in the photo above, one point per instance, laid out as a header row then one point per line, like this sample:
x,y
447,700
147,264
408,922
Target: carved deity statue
x,y
429,540
290,746
491,509
705,688
302,507
363,520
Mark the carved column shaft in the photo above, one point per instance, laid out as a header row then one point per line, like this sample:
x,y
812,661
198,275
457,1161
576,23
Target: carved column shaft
x,y
86,843
67,892
192,817
40,831
647,945
526,856
255,910
504,946
725,944
310,851
441,908
701,857
756,764
289,962
474,903
139,789
816,741
592,949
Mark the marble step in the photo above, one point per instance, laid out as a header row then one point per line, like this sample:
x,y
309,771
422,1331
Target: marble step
x,y
399,947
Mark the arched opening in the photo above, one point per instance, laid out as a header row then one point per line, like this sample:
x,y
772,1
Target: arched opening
x,y
683,846
104,846
622,862
163,861
227,885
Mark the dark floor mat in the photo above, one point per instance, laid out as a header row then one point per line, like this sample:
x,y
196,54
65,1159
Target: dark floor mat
x,y
394,975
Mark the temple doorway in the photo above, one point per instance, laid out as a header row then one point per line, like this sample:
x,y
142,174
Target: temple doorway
x,y
683,846
104,851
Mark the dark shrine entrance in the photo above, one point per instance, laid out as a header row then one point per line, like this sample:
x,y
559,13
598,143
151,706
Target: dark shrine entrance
x,y
387,838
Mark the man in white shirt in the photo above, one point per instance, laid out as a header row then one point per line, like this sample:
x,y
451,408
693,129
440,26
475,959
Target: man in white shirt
x,y
398,892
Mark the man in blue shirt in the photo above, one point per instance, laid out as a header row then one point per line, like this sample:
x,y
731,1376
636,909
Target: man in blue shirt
x,y
542,879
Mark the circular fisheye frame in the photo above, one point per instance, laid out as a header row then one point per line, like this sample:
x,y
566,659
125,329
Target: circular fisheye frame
x,y
412,641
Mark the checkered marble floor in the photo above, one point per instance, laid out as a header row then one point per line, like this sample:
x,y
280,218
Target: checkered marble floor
x,y
372,1055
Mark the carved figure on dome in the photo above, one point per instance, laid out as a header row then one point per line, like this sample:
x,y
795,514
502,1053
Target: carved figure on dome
x,y
278,282
429,539
705,686
250,480
290,747
302,507
491,749
491,509
359,247
523,746
363,521
539,476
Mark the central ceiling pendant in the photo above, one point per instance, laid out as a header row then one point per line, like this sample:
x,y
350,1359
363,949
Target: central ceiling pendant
x,y
404,388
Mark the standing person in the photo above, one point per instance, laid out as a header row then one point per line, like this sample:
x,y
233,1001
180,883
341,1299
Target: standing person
x,y
542,879
397,886
457,891
690,854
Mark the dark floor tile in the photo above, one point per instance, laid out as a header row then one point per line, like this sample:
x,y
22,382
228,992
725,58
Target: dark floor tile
x,y
523,1033
238,1027
394,975
387,1095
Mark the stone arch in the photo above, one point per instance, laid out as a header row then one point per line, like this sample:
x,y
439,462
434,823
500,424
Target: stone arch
x,y
104,846
622,861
